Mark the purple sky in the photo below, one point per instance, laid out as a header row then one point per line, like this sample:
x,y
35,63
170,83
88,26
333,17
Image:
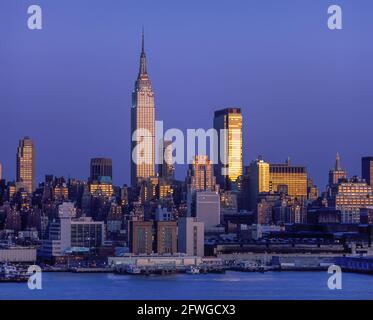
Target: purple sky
x,y
305,91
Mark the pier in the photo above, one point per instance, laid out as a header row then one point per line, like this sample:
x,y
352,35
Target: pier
x,y
363,264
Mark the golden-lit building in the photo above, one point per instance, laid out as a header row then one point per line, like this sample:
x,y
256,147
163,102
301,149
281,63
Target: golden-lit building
x,y
26,165
165,189
228,124
102,188
11,190
258,176
200,175
148,189
289,179
60,192
142,126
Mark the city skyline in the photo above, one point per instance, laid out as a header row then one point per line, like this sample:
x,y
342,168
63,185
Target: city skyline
x,y
313,146
178,150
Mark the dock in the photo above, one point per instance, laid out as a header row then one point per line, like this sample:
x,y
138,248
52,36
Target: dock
x,y
90,270
358,264
164,269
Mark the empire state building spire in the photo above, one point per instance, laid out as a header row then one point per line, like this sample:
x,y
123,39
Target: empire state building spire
x,y
142,70
143,80
338,166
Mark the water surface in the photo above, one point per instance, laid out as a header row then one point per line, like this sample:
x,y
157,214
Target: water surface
x,y
232,285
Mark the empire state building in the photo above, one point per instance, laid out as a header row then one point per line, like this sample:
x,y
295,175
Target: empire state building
x,y
142,125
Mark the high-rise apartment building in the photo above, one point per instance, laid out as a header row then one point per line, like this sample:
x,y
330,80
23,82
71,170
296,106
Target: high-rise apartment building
x,y
142,125
141,237
367,170
165,237
26,165
228,123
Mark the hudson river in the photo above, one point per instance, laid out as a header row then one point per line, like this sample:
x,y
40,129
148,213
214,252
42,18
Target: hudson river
x,y
232,285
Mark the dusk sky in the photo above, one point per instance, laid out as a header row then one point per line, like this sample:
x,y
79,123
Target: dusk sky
x,y
305,91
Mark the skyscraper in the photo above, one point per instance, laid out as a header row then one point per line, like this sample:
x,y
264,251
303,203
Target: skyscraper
x,y
200,178
200,175
258,176
1,171
166,169
142,125
290,179
367,170
26,165
101,167
337,173
229,166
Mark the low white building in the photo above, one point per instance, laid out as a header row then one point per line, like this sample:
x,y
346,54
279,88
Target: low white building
x,y
70,232
146,261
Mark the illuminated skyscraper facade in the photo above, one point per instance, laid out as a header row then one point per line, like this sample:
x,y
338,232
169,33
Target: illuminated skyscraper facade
x,y
229,167
289,179
26,165
142,125
258,176
103,187
200,175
